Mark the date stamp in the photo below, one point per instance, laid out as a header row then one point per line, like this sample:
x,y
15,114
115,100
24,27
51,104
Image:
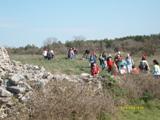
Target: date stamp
x,y
132,107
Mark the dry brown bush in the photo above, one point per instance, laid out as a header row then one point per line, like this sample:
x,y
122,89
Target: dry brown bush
x,y
64,100
69,101
140,85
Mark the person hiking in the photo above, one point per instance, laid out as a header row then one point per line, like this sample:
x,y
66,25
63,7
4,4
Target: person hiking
x,y
129,63
110,63
86,54
120,62
68,54
102,60
49,55
123,69
45,51
156,69
75,52
94,69
71,53
93,58
135,70
144,66
117,59
52,54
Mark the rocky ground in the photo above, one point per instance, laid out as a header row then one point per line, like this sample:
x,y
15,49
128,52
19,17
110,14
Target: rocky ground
x,y
18,81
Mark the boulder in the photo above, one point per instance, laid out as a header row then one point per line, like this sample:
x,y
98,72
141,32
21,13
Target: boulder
x,y
15,79
5,100
24,85
4,92
16,89
41,83
85,75
24,98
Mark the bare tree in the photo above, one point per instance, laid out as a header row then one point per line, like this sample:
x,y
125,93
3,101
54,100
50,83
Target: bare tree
x,y
49,41
79,37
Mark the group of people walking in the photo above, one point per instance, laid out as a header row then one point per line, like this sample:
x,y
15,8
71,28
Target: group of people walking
x,y
121,65
48,54
114,65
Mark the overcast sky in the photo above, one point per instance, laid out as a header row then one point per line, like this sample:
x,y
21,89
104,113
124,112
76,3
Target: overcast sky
x,y
25,22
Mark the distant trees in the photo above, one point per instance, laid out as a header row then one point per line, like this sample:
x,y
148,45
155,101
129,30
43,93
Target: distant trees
x,y
79,38
54,44
49,41
134,44
78,42
28,49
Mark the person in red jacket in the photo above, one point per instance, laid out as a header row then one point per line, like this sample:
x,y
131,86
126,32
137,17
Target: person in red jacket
x,y
110,64
94,69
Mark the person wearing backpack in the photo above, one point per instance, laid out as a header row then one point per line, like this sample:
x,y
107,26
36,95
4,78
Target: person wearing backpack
x,y
144,66
93,58
102,60
49,55
156,69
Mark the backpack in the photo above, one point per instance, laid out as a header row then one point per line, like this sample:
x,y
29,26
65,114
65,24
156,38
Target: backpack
x,y
143,66
49,55
92,59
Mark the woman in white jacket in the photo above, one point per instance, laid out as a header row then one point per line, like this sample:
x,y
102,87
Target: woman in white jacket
x,y
156,69
129,63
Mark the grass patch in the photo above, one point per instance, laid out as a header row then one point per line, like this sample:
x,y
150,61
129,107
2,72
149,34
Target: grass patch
x,y
150,112
151,106
58,65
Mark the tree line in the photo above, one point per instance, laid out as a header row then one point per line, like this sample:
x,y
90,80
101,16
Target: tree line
x,y
150,44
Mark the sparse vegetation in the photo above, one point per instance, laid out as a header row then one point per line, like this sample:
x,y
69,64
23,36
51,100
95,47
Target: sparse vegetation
x,y
81,102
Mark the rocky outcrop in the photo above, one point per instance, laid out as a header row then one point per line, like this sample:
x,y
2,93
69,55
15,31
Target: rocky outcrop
x,y
18,81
